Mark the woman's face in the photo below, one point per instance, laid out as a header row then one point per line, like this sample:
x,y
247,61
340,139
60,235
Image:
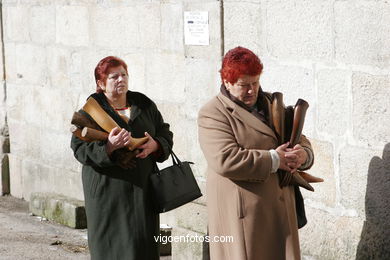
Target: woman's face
x,y
116,83
246,89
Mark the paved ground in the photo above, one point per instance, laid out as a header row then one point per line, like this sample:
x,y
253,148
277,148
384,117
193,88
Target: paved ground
x,y
23,236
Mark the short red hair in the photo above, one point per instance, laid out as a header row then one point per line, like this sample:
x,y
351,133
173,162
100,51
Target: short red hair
x,y
101,70
240,61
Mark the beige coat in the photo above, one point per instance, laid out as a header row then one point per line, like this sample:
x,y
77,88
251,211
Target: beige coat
x,y
244,199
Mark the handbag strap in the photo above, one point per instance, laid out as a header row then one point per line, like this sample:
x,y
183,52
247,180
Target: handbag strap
x,y
175,161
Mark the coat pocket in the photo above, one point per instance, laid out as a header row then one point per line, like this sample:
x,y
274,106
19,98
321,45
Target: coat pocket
x,y
240,204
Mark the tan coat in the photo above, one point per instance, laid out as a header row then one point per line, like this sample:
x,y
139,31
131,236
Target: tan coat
x,y
244,199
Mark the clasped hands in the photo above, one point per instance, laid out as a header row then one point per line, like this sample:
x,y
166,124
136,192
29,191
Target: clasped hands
x,y
120,138
291,158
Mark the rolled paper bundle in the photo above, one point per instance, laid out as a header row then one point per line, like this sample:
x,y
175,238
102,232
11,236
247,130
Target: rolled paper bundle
x,y
77,132
278,114
278,122
81,121
285,124
299,118
298,180
288,122
310,178
100,116
136,142
94,134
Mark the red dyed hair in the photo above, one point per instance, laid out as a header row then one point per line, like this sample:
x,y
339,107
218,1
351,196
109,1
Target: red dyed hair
x,y
240,61
101,70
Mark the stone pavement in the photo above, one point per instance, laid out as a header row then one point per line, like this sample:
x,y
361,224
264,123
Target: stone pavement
x,y
23,236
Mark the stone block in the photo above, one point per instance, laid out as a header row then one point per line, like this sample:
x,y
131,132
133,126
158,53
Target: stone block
x,y
374,240
32,179
25,139
4,174
213,51
328,236
333,101
325,192
136,66
172,21
202,185
195,153
125,33
43,24
16,19
370,111
165,82
15,172
361,32
57,117
55,150
294,82
356,166
165,245
10,62
61,209
58,64
72,25
243,25
202,83
30,64
82,66
192,216
14,102
71,180
300,29
4,141
2,72
172,114
168,218
149,22
189,245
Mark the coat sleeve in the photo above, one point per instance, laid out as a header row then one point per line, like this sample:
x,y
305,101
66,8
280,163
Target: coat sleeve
x,y
163,135
224,155
305,143
92,154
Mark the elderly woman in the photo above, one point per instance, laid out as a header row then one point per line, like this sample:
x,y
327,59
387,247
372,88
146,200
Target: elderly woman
x,y
244,198
121,220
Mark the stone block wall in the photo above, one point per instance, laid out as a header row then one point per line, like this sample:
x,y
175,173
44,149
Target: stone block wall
x,y
336,55
51,50
4,135
333,53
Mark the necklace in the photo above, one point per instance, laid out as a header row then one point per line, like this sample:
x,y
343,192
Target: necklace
x,y
120,109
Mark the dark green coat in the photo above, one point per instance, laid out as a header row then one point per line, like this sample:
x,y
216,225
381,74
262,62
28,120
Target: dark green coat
x,y
121,220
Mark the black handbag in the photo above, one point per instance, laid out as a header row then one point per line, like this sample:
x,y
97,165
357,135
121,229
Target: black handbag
x,y
174,186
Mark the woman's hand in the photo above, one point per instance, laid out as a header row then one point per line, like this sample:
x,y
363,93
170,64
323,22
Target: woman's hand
x,y
287,159
299,153
117,139
149,147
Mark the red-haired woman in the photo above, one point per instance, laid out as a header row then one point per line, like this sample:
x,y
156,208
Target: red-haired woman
x,y
121,220
244,199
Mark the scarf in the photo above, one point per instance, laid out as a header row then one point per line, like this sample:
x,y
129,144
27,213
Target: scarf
x,y
259,110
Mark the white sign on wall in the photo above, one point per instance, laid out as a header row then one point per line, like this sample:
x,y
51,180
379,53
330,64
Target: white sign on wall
x,y
196,28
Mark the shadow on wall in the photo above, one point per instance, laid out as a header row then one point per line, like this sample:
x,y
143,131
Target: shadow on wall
x,y
375,238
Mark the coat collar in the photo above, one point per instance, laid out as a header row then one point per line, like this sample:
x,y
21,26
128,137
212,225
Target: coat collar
x,y
245,116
